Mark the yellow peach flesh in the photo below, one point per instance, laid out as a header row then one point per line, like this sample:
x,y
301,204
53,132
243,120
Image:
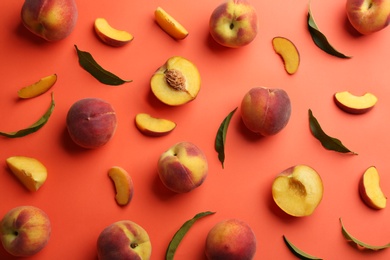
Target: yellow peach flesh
x,y
30,172
373,194
111,35
356,104
289,53
38,88
123,185
173,95
169,24
153,126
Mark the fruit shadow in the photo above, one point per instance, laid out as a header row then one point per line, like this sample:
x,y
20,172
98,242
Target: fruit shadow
x,y
246,133
22,32
68,144
349,28
162,192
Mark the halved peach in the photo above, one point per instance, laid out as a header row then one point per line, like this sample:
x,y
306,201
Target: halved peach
x,y
169,24
38,88
287,50
30,172
153,126
110,35
355,104
123,185
370,190
176,82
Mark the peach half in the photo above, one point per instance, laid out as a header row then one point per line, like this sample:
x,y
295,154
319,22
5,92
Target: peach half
x,y
370,190
38,88
153,126
123,185
355,104
30,172
176,82
110,35
287,50
298,190
170,25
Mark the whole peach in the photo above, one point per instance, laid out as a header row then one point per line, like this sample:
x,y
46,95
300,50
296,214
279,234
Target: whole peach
x,y
265,111
183,167
91,122
231,239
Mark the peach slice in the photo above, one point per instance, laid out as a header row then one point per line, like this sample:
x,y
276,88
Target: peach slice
x,y
38,88
370,190
176,82
153,126
298,190
30,172
110,35
169,24
355,104
123,185
289,53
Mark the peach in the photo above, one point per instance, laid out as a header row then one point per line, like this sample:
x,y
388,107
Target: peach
x,y
353,104
123,185
153,126
30,172
110,35
52,20
38,88
124,240
91,122
265,111
183,167
298,190
231,239
370,190
176,82
169,24
287,50
25,230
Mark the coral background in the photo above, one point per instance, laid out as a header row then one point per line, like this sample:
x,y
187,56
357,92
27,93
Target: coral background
x,y
78,195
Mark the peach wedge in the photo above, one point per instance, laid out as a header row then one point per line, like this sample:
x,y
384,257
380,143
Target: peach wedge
x,y
123,185
176,82
355,104
38,88
169,24
110,35
30,172
287,50
153,126
370,190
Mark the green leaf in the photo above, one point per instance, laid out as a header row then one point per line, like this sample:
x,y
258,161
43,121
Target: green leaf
x,y
327,142
299,253
90,65
320,39
221,137
360,244
170,253
34,127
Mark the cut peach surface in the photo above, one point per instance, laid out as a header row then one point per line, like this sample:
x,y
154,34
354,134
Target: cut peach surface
x,y
355,104
30,172
370,190
288,52
38,88
169,24
110,35
123,185
176,82
153,126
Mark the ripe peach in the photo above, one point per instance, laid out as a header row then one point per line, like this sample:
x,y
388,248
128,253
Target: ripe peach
x,y
265,111
91,122
183,167
231,239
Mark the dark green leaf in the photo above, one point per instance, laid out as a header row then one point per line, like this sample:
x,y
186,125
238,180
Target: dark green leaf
x,y
170,253
299,253
327,142
320,39
34,127
359,243
221,137
89,64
